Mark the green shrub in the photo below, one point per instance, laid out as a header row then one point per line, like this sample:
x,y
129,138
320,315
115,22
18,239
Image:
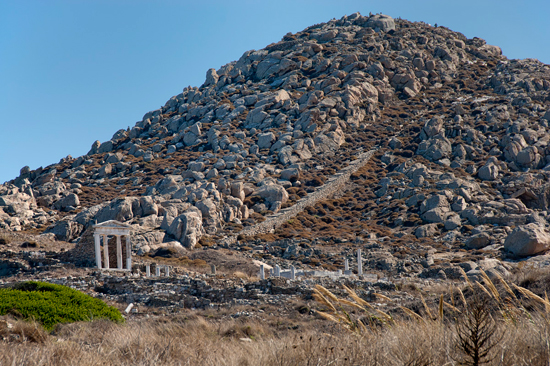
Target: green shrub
x,y
51,304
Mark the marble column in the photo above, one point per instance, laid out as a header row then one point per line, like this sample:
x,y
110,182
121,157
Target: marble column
x,y
128,253
359,263
118,252
97,241
105,252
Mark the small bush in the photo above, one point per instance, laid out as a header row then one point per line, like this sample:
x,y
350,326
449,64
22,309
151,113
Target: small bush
x,y
51,304
29,244
199,262
240,274
477,334
4,239
207,241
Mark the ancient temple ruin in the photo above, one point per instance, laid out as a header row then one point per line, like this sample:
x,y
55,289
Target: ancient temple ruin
x,y
108,241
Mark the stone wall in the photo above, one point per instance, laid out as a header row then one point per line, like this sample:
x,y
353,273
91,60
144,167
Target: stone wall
x,y
333,185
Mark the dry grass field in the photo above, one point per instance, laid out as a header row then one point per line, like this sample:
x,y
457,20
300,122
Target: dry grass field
x,y
203,342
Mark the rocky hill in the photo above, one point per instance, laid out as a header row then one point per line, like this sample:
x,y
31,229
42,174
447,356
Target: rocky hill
x,y
425,148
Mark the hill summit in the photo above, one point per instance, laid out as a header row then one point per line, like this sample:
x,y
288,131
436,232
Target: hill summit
x,y
428,149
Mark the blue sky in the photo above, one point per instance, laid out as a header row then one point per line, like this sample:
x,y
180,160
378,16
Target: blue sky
x,y
75,71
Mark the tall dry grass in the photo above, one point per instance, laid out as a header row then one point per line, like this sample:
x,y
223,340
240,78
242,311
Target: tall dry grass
x,y
201,342
496,325
241,343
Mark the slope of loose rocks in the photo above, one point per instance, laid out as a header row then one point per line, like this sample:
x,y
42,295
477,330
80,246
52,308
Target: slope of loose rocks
x,y
462,135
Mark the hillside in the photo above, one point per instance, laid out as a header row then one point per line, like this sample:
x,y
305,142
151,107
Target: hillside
x,y
426,149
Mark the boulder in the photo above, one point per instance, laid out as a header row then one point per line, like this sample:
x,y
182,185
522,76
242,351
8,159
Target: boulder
x,y
381,22
45,178
120,209
209,211
105,147
95,146
452,222
527,240
255,117
151,221
147,241
528,156
66,229
189,138
17,203
329,142
326,36
51,188
114,158
432,127
187,228
290,173
435,215
265,140
459,204
237,190
275,195
478,241
196,166
435,148
488,172
148,206
105,170
435,201
211,77
426,231
395,143
168,185
66,202
167,250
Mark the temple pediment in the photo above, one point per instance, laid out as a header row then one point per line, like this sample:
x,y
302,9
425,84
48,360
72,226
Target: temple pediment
x,y
113,224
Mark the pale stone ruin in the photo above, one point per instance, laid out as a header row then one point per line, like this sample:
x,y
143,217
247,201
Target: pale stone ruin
x,y
293,273
158,268
166,268
113,229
